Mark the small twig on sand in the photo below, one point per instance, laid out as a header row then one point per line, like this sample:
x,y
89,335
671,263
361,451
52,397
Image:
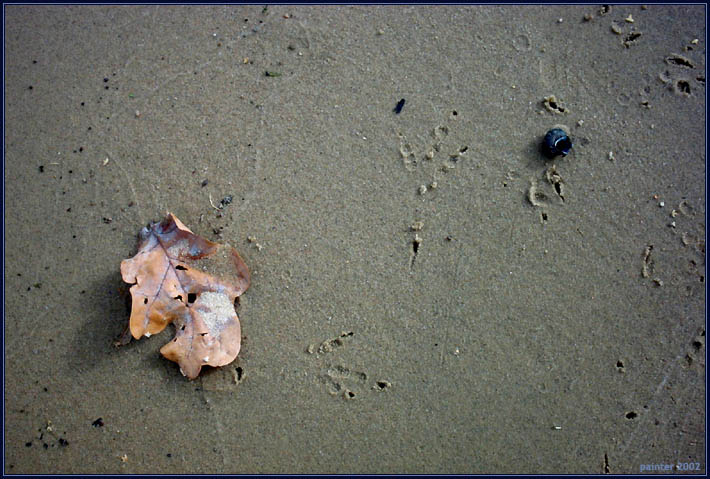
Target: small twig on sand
x,y
213,206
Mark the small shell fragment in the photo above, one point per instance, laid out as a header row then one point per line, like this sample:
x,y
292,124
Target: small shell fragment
x,y
252,239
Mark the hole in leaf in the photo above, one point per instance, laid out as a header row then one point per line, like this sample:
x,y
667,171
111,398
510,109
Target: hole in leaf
x,y
145,300
239,371
181,267
191,297
178,297
182,328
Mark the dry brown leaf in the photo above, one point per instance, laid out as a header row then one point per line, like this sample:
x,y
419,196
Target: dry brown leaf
x,y
179,277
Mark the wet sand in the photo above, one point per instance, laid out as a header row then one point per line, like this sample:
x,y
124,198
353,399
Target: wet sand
x,y
429,293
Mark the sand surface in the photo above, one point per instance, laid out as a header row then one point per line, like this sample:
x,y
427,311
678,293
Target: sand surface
x,y
550,320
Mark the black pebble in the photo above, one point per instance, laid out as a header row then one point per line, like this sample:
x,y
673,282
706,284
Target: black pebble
x,y
225,201
556,142
398,108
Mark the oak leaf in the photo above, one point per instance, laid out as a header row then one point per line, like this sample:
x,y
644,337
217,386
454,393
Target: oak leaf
x,y
181,278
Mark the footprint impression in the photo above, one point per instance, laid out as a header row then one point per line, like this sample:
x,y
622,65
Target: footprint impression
x,y
432,161
340,380
546,190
